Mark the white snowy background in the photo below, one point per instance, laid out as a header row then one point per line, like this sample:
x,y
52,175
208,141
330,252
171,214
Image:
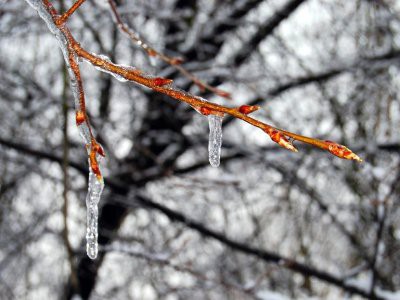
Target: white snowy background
x,y
336,216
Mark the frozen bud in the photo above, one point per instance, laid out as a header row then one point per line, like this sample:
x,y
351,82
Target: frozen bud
x,y
159,81
247,109
342,151
80,117
205,111
97,148
280,139
94,165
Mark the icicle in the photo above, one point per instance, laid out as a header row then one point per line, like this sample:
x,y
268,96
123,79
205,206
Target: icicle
x,y
92,212
96,184
215,139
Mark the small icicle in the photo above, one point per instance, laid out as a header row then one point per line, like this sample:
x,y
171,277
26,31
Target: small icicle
x,y
92,212
215,139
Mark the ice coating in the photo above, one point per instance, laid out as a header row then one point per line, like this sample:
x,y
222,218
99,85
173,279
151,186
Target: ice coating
x,y
45,15
96,185
85,134
92,212
215,139
107,59
62,42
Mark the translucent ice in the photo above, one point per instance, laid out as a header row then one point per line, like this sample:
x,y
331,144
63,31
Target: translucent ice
x,y
62,43
92,200
85,134
215,139
105,70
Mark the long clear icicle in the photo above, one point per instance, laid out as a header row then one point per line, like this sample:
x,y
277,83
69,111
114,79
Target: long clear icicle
x,y
96,185
92,213
215,139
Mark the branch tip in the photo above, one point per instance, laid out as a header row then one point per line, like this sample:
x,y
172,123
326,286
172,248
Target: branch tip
x,y
342,151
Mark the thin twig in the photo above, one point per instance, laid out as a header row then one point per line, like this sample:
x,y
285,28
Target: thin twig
x,y
173,61
64,18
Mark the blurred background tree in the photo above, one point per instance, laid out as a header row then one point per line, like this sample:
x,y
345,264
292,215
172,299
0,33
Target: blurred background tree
x,y
268,224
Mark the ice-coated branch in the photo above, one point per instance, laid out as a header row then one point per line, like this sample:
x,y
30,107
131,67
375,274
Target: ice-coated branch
x,y
55,24
71,48
165,86
47,12
68,13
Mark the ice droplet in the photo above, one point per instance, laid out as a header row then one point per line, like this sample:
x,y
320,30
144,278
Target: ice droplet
x,y
92,213
215,139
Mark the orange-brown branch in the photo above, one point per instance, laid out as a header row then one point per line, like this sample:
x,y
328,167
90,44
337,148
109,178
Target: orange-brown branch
x,y
164,86
61,20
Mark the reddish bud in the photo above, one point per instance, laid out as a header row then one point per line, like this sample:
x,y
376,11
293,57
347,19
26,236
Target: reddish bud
x,y
94,165
97,148
280,139
274,135
342,151
205,111
80,117
100,151
247,109
159,81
